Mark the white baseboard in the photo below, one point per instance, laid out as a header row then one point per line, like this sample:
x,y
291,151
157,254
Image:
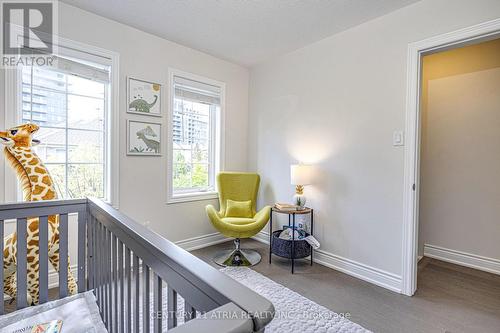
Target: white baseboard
x,y
54,276
462,258
199,242
361,271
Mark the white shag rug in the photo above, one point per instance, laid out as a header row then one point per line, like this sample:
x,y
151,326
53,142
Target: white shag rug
x,y
294,312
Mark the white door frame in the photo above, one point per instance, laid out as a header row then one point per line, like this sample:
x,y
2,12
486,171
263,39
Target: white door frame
x,y
470,35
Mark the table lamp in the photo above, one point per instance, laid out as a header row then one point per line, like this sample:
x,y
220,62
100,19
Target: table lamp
x,y
300,175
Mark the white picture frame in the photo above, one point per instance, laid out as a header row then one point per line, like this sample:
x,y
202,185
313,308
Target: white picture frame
x,y
144,97
143,138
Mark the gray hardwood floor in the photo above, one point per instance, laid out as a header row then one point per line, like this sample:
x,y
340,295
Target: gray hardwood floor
x,y
449,298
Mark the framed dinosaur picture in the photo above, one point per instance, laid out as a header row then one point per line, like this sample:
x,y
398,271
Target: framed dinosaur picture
x,y
143,97
143,138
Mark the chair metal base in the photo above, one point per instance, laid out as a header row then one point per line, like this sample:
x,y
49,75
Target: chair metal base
x,y
237,257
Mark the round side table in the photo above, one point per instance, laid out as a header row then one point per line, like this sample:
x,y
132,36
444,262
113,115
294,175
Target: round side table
x,y
291,222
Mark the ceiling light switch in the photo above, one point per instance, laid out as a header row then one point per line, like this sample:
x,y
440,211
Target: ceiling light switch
x,y
398,138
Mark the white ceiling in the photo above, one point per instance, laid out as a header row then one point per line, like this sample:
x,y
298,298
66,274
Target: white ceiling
x,y
242,31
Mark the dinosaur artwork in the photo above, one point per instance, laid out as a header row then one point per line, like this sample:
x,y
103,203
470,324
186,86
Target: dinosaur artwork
x,y
140,105
152,145
37,185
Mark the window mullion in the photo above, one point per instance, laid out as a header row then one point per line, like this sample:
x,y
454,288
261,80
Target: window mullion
x,y
31,96
67,140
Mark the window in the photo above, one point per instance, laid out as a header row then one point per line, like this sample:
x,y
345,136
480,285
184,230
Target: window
x,y
70,102
195,137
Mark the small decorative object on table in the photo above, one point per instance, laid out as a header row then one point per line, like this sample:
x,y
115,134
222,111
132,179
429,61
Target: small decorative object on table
x,y
300,175
286,207
293,242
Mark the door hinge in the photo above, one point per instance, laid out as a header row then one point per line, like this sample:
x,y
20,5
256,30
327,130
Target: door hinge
x,y
413,187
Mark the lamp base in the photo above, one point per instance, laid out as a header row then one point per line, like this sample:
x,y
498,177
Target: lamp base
x,y
299,200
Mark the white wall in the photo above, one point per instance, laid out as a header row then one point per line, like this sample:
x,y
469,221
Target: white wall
x,y
143,179
335,103
460,183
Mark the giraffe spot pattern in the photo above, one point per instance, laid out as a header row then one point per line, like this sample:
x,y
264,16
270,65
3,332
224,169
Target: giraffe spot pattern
x,y
38,190
46,180
37,187
39,170
49,196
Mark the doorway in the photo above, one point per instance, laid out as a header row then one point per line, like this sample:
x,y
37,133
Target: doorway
x,y
459,185
487,31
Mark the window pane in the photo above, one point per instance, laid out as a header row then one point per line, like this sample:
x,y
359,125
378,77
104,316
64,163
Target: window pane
x,y
48,108
81,86
85,146
182,176
199,155
200,175
49,79
26,75
182,156
57,102
191,136
58,174
85,180
52,147
85,112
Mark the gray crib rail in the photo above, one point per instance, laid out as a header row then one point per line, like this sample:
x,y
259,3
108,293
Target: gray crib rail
x,y
22,213
131,268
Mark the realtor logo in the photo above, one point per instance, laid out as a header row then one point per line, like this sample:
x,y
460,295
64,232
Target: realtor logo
x,y
28,30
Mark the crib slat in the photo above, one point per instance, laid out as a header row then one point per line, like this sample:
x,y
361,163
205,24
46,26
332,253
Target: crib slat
x,y
43,253
114,267
189,312
105,267
109,282
171,308
145,298
90,248
128,314
21,263
120,280
1,269
98,261
82,241
157,303
63,255
103,262
136,294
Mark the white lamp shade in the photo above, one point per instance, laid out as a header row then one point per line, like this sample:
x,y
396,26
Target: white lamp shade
x,y
300,174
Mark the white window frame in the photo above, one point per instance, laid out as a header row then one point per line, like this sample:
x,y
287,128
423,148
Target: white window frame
x,y
13,115
219,139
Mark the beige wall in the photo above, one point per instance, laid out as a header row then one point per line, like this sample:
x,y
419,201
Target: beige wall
x,y
460,156
336,103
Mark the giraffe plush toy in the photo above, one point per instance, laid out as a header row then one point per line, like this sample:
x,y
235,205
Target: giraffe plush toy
x,y
37,185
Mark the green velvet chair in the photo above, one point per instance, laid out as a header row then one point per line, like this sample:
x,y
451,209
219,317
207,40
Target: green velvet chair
x,y
238,217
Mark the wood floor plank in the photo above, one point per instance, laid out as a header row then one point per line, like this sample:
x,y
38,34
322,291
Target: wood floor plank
x,y
450,298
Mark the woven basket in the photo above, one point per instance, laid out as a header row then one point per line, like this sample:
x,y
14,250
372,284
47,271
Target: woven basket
x,y
283,247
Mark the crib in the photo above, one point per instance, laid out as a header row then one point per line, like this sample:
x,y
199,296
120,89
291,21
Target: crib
x,y
130,270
